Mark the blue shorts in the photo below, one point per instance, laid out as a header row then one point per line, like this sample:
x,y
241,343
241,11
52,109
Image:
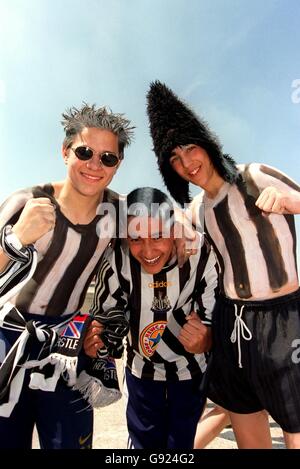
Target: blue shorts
x,y
162,414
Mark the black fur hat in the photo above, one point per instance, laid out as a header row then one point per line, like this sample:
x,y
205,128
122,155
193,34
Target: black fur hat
x,y
172,124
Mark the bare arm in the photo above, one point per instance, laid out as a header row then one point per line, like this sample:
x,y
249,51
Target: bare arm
x,y
4,260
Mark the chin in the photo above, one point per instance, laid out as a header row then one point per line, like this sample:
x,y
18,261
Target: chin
x,y
152,269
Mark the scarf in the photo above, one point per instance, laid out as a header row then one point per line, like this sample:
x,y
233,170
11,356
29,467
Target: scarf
x,y
99,382
60,344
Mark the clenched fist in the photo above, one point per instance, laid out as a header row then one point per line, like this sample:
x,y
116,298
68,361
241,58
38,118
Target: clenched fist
x,y
194,335
276,201
36,219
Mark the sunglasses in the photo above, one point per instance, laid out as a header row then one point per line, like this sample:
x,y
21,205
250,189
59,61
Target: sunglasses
x,y
107,158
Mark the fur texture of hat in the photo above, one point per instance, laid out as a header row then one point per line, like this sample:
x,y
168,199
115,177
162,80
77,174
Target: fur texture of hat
x,y
173,124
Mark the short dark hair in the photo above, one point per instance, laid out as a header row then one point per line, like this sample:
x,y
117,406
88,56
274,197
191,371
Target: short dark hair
x,y
149,201
76,120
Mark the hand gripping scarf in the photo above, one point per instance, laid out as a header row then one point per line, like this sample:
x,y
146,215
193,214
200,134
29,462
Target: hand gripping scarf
x,y
99,382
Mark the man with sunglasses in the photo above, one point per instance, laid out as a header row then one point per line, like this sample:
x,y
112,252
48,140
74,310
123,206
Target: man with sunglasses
x,y
65,224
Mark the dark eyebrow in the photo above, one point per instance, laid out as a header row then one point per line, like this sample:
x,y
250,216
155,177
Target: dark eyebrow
x,y
173,153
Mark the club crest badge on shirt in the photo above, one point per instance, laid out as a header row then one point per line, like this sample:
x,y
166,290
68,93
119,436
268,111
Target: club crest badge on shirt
x,y
151,336
161,304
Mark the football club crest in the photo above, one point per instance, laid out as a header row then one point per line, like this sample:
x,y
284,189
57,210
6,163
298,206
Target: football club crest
x,y
160,304
151,336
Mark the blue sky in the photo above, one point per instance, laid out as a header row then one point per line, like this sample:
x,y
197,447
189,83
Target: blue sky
x,y
234,61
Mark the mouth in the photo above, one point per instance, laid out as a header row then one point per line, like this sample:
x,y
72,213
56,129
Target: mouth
x,y
151,261
91,178
194,171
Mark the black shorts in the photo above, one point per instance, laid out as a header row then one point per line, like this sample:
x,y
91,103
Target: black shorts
x,y
259,368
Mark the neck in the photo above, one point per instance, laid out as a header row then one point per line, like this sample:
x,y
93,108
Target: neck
x,y
214,185
78,208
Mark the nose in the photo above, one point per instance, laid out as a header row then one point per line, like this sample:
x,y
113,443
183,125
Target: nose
x,y
148,250
94,163
185,160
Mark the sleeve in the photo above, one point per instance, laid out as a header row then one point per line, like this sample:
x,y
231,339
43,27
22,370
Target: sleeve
x,y
23,260
207,289
108,292
264,176
109,306
17,274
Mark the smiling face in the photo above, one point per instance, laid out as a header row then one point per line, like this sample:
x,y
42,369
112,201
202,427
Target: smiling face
x,y
148,244
90,178
193,164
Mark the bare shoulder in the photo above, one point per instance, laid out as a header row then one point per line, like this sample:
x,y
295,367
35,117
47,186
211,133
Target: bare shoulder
x,y
57,186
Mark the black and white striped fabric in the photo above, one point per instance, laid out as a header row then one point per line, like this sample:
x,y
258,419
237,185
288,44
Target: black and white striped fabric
x,y
156,306
18,271
68,256
256,251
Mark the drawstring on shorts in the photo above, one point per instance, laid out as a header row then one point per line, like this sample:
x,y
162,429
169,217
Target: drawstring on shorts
x,y
239,328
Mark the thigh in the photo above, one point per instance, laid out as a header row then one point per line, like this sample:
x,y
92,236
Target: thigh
x,y
252,431
277,372
16,430
229,384
145,412
292,440
64,419
185,406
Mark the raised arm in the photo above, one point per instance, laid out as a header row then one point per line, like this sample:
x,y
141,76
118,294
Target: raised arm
x,y
278,192
28,218
278,201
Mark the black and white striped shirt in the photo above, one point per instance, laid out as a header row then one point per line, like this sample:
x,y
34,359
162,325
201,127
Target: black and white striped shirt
x,y
256,250
68,257
156,306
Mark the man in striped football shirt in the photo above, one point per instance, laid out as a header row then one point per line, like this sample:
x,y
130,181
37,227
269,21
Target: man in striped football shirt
x,y
67,226
169,311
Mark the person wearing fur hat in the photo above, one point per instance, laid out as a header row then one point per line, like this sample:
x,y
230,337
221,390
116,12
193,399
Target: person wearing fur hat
x,y
247,212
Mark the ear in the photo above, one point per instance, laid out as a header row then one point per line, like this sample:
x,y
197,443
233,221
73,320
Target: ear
x,y
65,153
119,163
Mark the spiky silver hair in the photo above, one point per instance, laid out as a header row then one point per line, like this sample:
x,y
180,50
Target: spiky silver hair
x,y
75,120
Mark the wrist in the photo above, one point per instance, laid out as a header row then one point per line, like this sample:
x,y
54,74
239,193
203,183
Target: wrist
x,y
12,246
18,234
13,239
